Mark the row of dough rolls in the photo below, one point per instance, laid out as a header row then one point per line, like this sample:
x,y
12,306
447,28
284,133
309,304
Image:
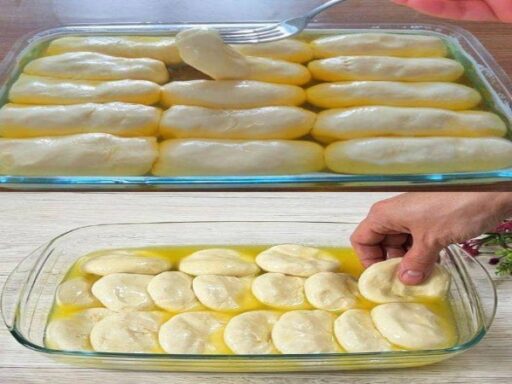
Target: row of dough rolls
x,y
210,305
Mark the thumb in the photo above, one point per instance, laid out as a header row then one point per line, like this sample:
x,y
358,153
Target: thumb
x,y
417,264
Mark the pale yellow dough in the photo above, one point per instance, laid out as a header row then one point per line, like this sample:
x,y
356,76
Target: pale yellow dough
x,y
388,155
283,122
277,71
120,119
218,261
125,261
224,293
172,291
380,283
377,121
385,68
281,291
93,154
76,292
30,89
379,44
97,66
182,157
332,291
156,47
287,49
231,94
393,93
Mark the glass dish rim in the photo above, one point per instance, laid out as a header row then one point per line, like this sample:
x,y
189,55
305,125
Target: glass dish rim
x,y
277,181
458,348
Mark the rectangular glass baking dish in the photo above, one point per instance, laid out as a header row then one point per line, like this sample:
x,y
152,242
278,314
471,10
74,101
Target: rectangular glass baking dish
x,y
28,295
482,70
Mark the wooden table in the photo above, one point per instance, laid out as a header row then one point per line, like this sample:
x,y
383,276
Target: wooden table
x,y
31,219
19,18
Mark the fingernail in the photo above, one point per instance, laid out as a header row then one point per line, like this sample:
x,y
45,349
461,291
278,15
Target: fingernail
x,y
412,277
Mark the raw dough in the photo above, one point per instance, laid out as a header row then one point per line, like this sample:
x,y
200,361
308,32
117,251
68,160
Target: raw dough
x,y
124,292
218,261
280,291
224,293
305,332
194,333
355,331
332,291
297,260
182,157
250,333
172,291
72,333
76,292
286,49
129,332
125,261
412,326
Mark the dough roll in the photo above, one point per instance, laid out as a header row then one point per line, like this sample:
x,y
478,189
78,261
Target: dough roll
x,y
121,119
283,122
93,154
385,68
287,49
379,44
235,157
97,66
277,71
45,90
358,122
418,155
354,93
231,94
155,47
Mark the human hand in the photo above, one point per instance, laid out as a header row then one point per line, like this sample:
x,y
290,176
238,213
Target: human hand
x,y
418,226
473,10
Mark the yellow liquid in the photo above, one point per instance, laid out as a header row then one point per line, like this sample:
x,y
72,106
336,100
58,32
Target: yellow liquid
x,y
349,263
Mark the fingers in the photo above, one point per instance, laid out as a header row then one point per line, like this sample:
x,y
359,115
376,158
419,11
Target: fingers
x,y
417,264
473,10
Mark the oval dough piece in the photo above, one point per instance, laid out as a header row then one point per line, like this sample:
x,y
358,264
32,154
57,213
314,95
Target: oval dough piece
x,y
194,333
224,293
76,292
286,49
355,331
250,333
298,332
46,90
97,66
120,119
125,261
156,47
359,122
412,326
172,291
218,261
280,291
379,283
379,44
332,291
385,68
283,122
277,71
383,156
71,333
91,154
129,332
205,50
393,93
182,157
297,260
231,94
124,292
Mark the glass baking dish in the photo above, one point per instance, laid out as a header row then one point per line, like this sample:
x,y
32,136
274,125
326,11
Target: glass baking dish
x,y
482,71
28,294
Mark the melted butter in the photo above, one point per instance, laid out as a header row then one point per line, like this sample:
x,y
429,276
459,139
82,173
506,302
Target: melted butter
x,y
349,261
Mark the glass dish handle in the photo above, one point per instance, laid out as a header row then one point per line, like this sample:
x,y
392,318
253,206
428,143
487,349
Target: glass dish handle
x,y
486,290
15,286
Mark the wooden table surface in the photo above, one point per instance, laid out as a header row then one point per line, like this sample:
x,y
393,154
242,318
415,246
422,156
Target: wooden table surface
x,y
19,18
31,219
